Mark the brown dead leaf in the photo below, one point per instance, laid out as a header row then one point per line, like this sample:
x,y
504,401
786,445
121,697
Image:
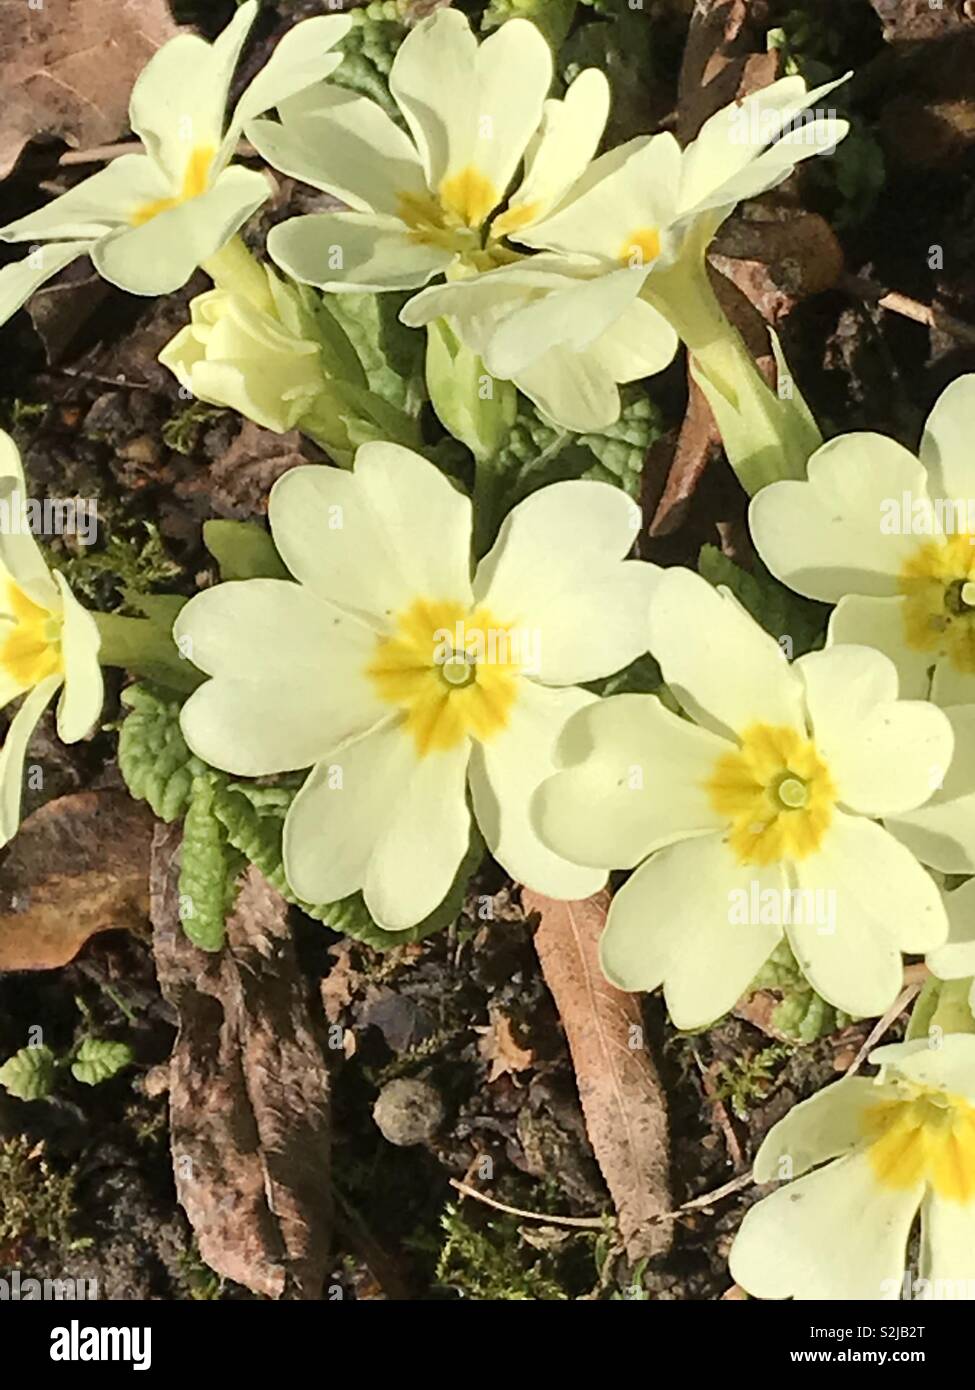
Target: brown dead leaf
x,y
499,1046
622,1099
241,479
67,68
78,866
248,1092
725,59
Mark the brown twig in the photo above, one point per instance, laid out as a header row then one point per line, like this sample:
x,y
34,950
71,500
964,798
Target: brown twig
x,y
896,303
102,154
909,992
707,1199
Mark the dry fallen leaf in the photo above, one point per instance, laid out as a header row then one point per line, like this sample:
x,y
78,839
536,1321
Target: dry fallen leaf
x,y
242,477
78,866
499,1046
622,1099
67,68
248,1090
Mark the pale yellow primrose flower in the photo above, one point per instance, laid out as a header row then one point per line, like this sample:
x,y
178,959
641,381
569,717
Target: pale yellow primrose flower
x,y
402,681
644,214
48,642
776,785
890,539
149,220
879,1151
433,202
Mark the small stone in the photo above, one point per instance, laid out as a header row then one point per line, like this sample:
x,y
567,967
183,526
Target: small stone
x,y
408,1111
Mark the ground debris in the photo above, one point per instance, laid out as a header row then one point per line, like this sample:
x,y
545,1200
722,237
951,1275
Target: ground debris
x,y
248,1091
78,866
622,1099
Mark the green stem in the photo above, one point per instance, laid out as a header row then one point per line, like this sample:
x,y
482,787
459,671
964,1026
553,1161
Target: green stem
x,y
234,269
766,436
143,647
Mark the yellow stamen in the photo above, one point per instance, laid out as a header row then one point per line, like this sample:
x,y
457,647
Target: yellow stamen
x,y
938,615
468,196
196,180
777,794
641,247
513,220
928,1135
451,672
31,651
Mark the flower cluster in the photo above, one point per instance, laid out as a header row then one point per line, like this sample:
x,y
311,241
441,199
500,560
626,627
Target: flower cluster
x,y
437,673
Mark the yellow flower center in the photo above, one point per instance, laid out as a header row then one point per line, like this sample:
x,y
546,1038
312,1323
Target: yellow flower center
x,y
929,1135
453,673
777,794
938,584
641,247
196,180
30,637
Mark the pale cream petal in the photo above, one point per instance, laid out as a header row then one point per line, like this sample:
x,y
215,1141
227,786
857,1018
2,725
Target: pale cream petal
x,y
825,1126
179,100
96,206
725,671
506,770
674,923
947,1262
84,690
834,1234
946,445
885,756
355,251
19,280
955,960
879,622
826,537
160,255
14,752
633,781
375,540
558,572
941,832
434,83
349,147
416,858
875,901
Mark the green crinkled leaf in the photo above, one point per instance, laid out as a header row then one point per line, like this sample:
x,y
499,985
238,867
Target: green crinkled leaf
x,y
153,757
538,453
390,353
369,49
208,867
243,550
777,609
803,1014
253,818
98,1061
29,1074
552,17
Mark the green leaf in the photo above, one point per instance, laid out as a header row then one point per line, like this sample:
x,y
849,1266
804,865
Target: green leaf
x,y
390,353
369,49
98,1061
253,818
243,550
553,18
153,757
797,623
208,869
29,1074
537,452
945,1006
803,1015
